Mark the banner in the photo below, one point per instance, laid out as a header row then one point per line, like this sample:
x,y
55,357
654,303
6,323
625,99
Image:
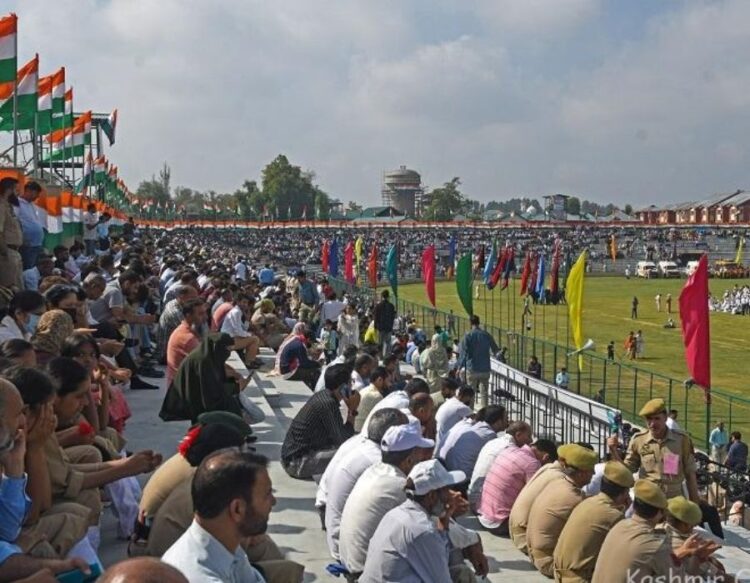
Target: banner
x,y
464,283
695,326
391,269
428,272
574,297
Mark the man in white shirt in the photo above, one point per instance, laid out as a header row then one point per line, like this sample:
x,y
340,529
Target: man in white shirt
x,y
232,498
378,490
90,221
452,411
399,400
331,309
240,271
236,324
672,420
342,480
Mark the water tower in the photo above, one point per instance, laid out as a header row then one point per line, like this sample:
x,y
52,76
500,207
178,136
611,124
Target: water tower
x,y
402,189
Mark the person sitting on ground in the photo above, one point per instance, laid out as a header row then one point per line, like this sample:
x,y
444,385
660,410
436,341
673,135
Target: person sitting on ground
x,y
18,352
402,400
466,438
232,498
348,468
584,532
204,383
516,435
142,570
448,388
53,328
271,330
452,411
293,358
24,310
554,505
318,429
187,336
422,409
236,324
371,395
433,362
171,317
411,543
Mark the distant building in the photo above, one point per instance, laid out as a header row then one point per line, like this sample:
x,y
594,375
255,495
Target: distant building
x,y
555,206
403,190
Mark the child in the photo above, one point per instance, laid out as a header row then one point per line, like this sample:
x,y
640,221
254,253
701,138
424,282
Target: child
x,y
328,338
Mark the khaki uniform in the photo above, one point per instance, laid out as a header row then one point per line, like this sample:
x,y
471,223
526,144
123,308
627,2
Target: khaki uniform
x,y
582,538
633,552
11,266
646,455
519,514
56,531
171,473
548,516
67,469
175,516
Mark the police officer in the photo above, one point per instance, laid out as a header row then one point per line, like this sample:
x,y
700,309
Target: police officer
x,y
635,551
584,532
553,506
661,455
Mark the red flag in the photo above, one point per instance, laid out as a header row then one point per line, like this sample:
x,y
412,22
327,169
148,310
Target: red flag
x,y
428,272
372,267
554,284
507,267
498,270
480,260
525,273
533,273
324,256
695,330
349,263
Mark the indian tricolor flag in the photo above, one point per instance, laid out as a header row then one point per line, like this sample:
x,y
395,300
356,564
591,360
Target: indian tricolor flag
x,y
100,169
58,99
70,142
26,100
68,109
49,210
44,105
8,55
88,175
109,126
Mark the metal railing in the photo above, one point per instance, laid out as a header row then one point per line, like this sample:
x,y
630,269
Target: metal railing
x,y
617,383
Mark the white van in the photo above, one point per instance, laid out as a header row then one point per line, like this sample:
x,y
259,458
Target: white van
x,y
646,269
668,269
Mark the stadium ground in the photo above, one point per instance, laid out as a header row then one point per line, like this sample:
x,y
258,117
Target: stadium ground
x,y
606,317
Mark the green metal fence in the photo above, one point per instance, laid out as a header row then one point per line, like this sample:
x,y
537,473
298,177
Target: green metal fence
x,y
619,384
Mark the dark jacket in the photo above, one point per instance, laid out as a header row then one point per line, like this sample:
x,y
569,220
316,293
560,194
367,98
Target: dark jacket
x,y
384,316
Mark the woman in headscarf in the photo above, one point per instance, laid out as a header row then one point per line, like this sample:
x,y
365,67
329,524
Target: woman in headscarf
x,y
53,328
293,360
271,330
434,363
203,384
297,331
348,328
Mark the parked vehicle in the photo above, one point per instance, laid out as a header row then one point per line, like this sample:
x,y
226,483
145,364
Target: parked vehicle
x,y
668,269
728,269
646,269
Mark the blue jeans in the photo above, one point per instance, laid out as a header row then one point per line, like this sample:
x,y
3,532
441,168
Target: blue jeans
x,y
29,255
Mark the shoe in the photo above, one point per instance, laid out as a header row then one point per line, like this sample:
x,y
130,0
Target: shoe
x,y
137,384
150,372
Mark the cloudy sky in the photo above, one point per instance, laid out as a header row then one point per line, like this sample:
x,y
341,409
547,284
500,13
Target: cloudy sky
x,y
634,101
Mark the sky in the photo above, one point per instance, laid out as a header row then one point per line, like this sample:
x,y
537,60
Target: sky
x,y
637,101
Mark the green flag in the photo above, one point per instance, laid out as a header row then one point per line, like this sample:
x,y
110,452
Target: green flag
x,y
391,269
464,282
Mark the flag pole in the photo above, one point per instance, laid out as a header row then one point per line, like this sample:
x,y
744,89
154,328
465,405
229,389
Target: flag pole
x,y
15,103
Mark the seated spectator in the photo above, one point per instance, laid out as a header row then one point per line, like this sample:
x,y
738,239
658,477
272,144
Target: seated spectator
x,y
378,490
318,430
171,316
433,362
583,534
511,470
271,330
466,438
33,276
516,435
232,498
293,360
187,336
401,400
236,324
554,505
448,388
422,408
18,352
142,570
350,467
24,310
409,544
371,395
452,411
53,328
203,383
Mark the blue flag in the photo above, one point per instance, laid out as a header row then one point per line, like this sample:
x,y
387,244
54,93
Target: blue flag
x,y
540,279
333,258
490,264
452,251
391,268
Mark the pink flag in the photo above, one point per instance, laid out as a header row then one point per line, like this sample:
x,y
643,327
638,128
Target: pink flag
x,y
349,263
695,330
428,272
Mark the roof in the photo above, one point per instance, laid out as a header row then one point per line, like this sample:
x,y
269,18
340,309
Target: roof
x,y
738,199
685,206
380,211
364,219
716,199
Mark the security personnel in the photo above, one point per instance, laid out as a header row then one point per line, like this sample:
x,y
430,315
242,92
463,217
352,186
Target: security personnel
x,y
552,508
682,516
662,455
519,514
589,523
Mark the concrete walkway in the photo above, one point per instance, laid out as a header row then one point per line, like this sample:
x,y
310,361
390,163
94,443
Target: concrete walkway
x,y
294,523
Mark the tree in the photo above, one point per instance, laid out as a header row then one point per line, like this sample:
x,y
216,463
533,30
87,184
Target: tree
x,y
445,201
628,209
573,206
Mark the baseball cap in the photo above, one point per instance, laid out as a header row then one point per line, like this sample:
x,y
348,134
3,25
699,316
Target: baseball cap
x,y
432,475
404,437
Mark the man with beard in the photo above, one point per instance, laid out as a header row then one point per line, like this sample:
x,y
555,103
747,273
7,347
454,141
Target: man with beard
x,y
232,498
187,336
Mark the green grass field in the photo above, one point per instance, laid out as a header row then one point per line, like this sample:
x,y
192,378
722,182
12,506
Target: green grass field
x,y
606,317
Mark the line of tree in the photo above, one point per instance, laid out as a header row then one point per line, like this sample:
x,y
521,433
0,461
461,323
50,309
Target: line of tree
x,y
286,192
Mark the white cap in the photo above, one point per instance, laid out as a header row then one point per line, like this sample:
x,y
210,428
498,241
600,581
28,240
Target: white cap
x,y
404,437
432,475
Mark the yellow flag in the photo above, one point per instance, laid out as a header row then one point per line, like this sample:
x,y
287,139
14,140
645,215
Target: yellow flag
x,y
574,297
740,250
358,245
